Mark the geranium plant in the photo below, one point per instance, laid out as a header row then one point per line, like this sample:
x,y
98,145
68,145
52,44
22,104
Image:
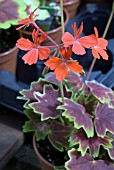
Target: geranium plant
x,y
75,116
10,12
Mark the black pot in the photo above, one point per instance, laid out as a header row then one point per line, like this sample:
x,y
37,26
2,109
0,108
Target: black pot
x,y
93,15
27,73
101,65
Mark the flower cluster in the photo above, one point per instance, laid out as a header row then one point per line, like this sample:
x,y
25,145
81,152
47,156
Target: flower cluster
x,y
62,63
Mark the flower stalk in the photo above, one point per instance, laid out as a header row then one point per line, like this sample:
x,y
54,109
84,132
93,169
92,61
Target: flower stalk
x,y
63,30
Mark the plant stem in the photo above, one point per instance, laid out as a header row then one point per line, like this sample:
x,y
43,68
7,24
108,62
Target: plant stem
x,y
62,18
104,35
91,68
50,47
63,30
61,91
108,23
61,120
43,3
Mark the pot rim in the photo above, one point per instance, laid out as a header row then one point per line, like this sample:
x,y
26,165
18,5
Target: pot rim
x,y
71,2
38,154
9,51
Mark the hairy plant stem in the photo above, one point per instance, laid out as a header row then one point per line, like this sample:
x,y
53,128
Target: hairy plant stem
x,y
61,91
104,35
63,30
61,120
62,17
56,45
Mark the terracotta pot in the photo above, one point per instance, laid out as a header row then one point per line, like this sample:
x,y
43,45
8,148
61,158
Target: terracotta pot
x,y
72,7
8,60
44,165
55,34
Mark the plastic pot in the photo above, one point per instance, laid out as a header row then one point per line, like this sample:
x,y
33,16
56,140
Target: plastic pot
x,y
93,15
28,73
100,65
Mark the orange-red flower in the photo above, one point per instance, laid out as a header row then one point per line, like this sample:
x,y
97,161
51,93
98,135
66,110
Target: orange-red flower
x,y
34,48
100,47
61,65
27,21
78,43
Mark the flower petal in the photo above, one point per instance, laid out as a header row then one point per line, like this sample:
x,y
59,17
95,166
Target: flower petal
x,y
18,28
24,44
88,41
66,54
102,43
78,49
103,53
74,66
53,62
26,21
79,31
43,53
35,35
96,32
31,57
95,53
62,51
74,29
42,38
68,39
61,72
32,13
23,23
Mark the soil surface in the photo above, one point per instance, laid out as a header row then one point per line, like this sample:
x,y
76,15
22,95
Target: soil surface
x,y
8,38
51,154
